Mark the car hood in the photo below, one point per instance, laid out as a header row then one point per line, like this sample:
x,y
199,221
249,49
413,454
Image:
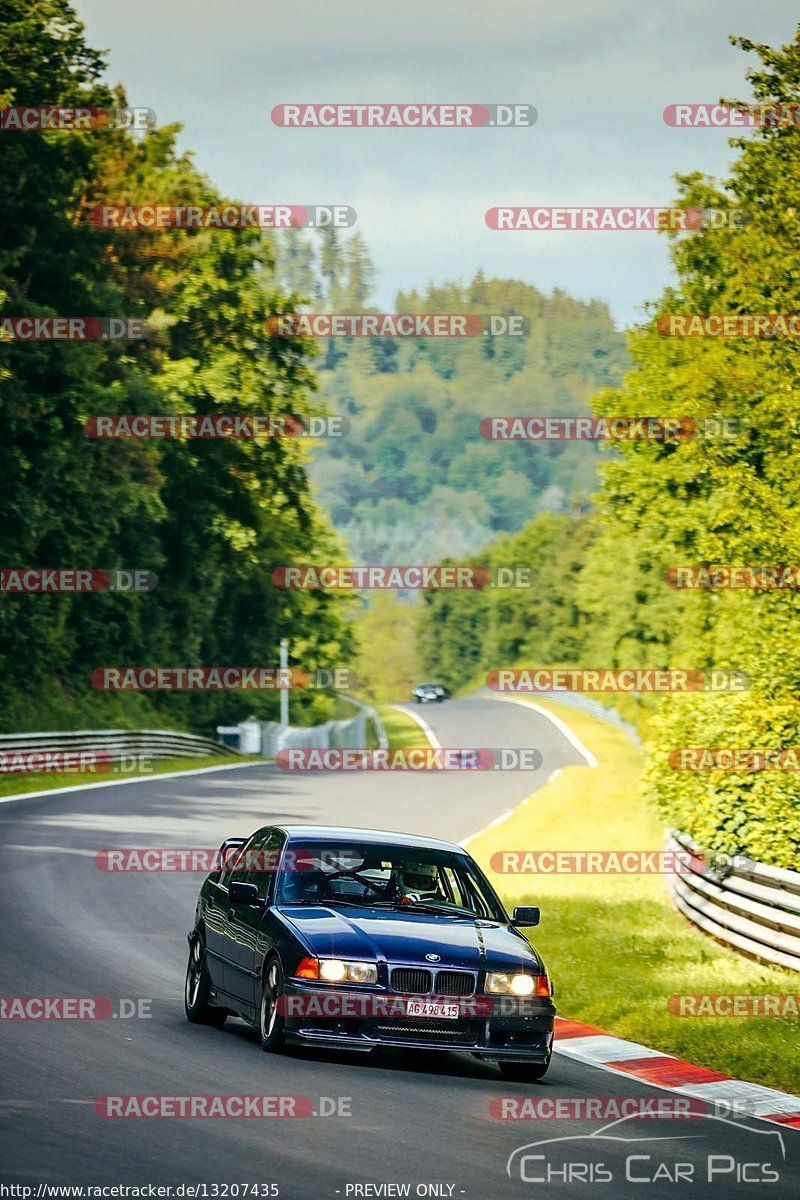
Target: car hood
x,y
406,937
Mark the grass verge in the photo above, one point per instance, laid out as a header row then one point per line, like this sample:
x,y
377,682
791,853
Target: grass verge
x,y
402,731
19,784
616,948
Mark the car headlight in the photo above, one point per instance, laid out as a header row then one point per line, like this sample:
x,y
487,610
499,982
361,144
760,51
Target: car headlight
x,y
507,984
335,970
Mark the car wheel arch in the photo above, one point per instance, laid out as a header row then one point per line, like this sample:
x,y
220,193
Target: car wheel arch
x,y
271,956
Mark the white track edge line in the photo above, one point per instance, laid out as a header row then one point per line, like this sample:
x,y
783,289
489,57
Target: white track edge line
x,y
424,726
560,725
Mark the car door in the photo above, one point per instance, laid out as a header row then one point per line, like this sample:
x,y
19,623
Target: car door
x,y
247,939
215,919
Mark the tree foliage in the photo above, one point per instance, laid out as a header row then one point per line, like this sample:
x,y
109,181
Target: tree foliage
x,y
731,500
211,518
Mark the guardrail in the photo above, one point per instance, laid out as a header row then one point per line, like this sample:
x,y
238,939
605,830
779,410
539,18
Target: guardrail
x,y
333,734
115,743
749,906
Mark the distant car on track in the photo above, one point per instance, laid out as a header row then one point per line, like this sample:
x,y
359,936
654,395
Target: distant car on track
x,y
358,938
429,693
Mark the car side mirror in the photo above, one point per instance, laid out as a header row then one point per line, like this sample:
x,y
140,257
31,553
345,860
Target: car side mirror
x,y
526,914
243,893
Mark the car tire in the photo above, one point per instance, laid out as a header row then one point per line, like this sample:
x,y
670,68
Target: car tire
x,y
197,989
523,1072
271,1025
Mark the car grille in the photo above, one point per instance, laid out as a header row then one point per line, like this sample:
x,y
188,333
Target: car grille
x,y
465,1033
416,981
411,981
454,983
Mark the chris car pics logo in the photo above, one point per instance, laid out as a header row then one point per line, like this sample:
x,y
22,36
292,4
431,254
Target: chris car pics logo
x,y
615,1153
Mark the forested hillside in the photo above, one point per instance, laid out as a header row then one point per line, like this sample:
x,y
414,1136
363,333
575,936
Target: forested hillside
x,y
416,480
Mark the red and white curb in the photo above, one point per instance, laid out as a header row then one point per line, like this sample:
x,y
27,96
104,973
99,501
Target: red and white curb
x,y
599,1049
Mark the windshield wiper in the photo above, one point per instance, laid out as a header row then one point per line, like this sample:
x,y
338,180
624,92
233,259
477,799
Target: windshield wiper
x,y
453,910
328,900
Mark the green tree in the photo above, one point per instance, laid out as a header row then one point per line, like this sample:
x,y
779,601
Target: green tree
x,y
212,518
724,500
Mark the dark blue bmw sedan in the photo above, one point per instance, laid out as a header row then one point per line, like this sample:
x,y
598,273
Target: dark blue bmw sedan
x,y
358,938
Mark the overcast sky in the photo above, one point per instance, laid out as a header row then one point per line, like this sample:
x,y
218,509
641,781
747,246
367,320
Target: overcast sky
x,y
599,72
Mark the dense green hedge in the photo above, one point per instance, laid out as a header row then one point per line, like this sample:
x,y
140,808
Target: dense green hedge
x,y
755,812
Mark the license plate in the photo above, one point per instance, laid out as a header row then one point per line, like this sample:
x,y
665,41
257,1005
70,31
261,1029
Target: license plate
x,y
431,1008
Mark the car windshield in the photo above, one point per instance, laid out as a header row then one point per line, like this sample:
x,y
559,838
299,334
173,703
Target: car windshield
x,y
385,876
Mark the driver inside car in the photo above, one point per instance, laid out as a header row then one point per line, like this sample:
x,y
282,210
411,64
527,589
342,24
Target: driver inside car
x,y
418,882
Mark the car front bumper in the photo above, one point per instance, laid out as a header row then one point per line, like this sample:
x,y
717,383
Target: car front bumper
x,y
500,1029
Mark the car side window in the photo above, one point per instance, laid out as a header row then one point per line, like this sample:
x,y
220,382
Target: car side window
x,y
235,871
263,862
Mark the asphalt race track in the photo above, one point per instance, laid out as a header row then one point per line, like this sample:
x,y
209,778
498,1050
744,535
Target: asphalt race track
x,y
73,930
